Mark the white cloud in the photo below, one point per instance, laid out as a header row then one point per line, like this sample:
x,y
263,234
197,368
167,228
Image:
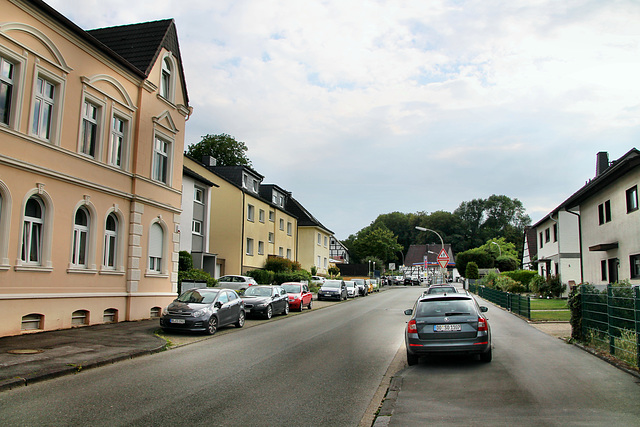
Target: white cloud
x,y
380,98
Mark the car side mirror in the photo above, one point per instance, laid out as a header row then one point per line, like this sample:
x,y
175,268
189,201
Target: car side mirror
x,y
218,304
484,309
408,311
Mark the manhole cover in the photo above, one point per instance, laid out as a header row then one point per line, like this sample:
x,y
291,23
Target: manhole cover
x,y
25,351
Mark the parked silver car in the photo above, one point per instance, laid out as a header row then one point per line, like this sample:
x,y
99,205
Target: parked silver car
x,y
333,289
237,283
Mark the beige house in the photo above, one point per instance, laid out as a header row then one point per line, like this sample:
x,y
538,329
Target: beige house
x,y
91,142
248,221
313,239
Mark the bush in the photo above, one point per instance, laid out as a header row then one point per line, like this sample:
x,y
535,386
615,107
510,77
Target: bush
x,y
506,263
185,262
281,264
575,305
479,256
471,271
502,283
489,280
195,275
552,287
522,276
291,276
263,277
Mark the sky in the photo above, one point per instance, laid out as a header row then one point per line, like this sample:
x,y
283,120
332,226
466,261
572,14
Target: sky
x,y
366,107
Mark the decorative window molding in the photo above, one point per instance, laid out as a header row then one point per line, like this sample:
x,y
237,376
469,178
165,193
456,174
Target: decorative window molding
x,y
40,260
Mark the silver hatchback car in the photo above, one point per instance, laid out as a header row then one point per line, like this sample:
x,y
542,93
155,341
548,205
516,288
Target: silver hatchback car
x,y
447,323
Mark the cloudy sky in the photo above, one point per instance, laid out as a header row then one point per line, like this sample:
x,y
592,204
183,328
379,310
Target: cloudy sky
x,y
363,107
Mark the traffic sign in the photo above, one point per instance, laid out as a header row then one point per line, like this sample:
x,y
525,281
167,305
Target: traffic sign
x,y
443,258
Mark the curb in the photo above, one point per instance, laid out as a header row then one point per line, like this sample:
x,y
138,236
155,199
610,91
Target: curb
x,y
73,369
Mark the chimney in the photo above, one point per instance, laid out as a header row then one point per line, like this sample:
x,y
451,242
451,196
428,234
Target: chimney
x,y
209,161
602,163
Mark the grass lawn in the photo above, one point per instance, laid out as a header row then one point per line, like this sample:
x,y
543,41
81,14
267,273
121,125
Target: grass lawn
x,y
556,315
548,304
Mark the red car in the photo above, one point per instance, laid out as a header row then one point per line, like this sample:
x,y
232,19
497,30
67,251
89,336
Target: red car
x,y
299,295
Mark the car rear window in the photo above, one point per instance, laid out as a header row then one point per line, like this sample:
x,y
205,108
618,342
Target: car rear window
x,y
444,307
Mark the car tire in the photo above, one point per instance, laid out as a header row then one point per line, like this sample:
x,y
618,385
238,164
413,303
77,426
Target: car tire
x,y
486,357
309,306
286,309
212,325
269,313
412,359
301,306
241,319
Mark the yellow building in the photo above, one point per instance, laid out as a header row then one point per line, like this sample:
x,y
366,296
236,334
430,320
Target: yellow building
x,y
313,239
91,142
248,221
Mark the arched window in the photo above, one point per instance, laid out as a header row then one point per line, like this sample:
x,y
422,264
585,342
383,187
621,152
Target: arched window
x,y
156,248
32,231
111,242
80,238
166,79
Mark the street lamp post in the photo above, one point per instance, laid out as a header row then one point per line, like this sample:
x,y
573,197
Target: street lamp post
x,y
499,248
441,242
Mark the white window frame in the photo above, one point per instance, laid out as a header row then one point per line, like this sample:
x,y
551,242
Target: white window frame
x,y
289,228
55,102
261,214
196,227
319,239
162,150
251,213
81,239
31,225
198,195
249,246
326,240
281,224
8,79
281,251
91,127
289,254
156,252
119,141
272,216
110,256
260,247
271,237
168,76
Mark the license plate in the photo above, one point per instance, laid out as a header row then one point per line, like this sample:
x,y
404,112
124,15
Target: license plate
x,y
447,328
180,321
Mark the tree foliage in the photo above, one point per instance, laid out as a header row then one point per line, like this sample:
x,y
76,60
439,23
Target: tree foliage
x,y
224,148
374,241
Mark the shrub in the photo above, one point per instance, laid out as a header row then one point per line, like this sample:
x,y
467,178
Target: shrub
x,y
536,283
263,277
291,276
195,275
479,256
471,271
489,280
185,262
281,264
506,263
575,305
314,270
522,276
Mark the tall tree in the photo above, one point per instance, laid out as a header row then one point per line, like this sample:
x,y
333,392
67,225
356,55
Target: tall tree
x,y
224,148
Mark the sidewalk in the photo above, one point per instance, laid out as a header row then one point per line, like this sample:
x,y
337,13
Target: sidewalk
x,y
25,359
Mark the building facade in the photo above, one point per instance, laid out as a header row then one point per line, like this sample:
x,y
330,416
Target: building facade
x,y
610,221
91,135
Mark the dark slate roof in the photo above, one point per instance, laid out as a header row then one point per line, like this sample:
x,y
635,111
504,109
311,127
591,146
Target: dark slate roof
x,y
618,168
416,254
188,172
140,44
531,236
305,219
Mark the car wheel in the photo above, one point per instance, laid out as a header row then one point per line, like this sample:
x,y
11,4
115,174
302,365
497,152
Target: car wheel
x,y
486,357
269,313
212,325
309,306
241,318
286,309
301,306
412,359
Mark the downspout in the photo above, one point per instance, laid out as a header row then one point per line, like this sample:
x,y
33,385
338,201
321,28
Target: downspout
x,y
580,243
243,236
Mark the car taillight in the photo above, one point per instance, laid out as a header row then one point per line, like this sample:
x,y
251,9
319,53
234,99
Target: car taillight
x,y
412,328
482,324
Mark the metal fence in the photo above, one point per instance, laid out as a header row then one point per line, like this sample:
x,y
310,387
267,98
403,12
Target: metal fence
x,y
512,302
611,320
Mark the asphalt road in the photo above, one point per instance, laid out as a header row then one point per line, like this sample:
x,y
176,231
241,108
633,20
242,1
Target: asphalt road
x,y
322,368
533,380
